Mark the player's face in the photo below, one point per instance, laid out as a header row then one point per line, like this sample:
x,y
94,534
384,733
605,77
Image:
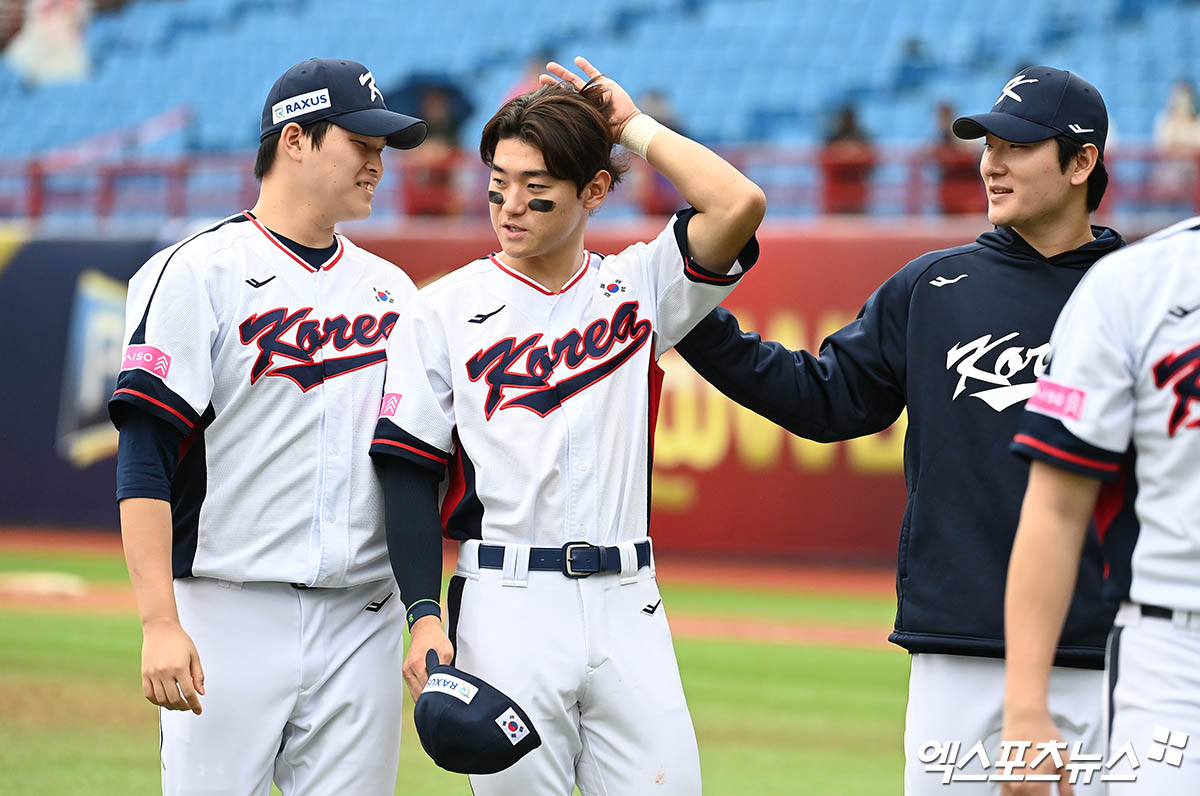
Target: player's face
x,y
1025,185
345,173
534,214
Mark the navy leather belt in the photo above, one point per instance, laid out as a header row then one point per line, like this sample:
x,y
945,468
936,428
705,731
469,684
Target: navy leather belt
x,y
1157,611
574,559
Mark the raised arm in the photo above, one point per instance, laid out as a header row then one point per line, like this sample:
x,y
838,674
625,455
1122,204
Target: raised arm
x,y
730,206
854,387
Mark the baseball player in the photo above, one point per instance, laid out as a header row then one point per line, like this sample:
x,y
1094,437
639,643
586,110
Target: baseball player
x,y
534,383
253,532
1120,404
958,337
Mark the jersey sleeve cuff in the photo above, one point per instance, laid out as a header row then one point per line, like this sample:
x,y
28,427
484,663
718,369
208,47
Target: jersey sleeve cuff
x,y
746,258
1047,439
391,440
144,491
148,394
421,609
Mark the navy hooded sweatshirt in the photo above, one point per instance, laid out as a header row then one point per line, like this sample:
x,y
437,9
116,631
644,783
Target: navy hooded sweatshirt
x,y
957,336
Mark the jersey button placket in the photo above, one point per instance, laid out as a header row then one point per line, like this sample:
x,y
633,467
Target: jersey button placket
x,y
328,565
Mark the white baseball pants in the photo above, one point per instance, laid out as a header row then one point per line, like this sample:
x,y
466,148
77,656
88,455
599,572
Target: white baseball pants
x,y
1154,674
592,663
961,698
303,687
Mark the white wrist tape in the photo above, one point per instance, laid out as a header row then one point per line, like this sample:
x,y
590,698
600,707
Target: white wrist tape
x,y
638,132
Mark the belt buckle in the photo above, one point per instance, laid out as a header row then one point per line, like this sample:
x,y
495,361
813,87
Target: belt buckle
x,y
568,565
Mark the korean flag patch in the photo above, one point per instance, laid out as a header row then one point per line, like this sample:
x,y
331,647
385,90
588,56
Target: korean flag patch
x,y
510,723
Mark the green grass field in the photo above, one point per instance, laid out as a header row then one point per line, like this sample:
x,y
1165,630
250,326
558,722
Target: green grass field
x,y
771,718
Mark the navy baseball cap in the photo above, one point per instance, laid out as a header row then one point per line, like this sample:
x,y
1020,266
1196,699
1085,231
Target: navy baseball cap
x,y
1041,102
345,93
467,726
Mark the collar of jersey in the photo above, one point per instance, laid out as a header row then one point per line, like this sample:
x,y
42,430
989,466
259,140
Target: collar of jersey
x,y
325,266
587,261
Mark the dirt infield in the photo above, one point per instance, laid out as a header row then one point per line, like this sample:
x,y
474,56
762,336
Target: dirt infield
x,y
109,598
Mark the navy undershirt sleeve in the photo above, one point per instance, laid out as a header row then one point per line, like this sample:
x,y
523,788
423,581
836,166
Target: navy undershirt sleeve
x,y
414,533
147,456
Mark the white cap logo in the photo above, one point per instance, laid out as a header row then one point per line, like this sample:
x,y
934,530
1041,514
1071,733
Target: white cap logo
x,y
1019,80
368,79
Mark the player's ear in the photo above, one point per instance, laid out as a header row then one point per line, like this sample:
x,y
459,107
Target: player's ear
x,y
291,141
1084,163
594,193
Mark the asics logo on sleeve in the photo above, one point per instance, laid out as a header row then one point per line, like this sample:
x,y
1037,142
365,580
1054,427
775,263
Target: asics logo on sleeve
x,y
500,365
966,359
268,330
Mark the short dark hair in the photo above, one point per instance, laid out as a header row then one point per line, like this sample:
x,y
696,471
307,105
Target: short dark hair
x,y
315,132
1097,182
569,127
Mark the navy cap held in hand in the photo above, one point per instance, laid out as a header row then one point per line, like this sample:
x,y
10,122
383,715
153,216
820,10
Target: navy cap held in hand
x,y
466,725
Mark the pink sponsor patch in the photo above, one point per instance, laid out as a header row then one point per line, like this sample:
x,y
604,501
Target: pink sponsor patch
x,y
147,358
1057,400
388,407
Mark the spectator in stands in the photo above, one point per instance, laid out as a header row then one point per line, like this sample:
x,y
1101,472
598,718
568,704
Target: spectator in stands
x,y
957,163
1177,136
49,46
654,192
846,164
430,171
915,66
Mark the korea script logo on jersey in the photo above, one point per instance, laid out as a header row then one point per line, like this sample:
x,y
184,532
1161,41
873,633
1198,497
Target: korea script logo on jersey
x,y
269,328
498,365
1183,371
966,359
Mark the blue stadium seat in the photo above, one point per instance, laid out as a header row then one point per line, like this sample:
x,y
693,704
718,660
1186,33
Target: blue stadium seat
x,y
736,70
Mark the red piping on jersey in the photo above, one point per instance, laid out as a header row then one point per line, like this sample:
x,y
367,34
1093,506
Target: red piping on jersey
x,y
1108,507
144,397
417,451
656,381
330,264
455,490
587,263
718,279
1058,453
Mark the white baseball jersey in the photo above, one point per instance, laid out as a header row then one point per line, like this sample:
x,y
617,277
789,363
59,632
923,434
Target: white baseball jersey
x,y
544,402
273,368
1126,374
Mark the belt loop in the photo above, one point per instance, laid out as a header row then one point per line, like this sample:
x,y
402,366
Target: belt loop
x,y
468,559
516,565
1182,619
629,567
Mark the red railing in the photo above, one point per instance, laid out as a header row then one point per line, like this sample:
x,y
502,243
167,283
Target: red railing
x,y
798,182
